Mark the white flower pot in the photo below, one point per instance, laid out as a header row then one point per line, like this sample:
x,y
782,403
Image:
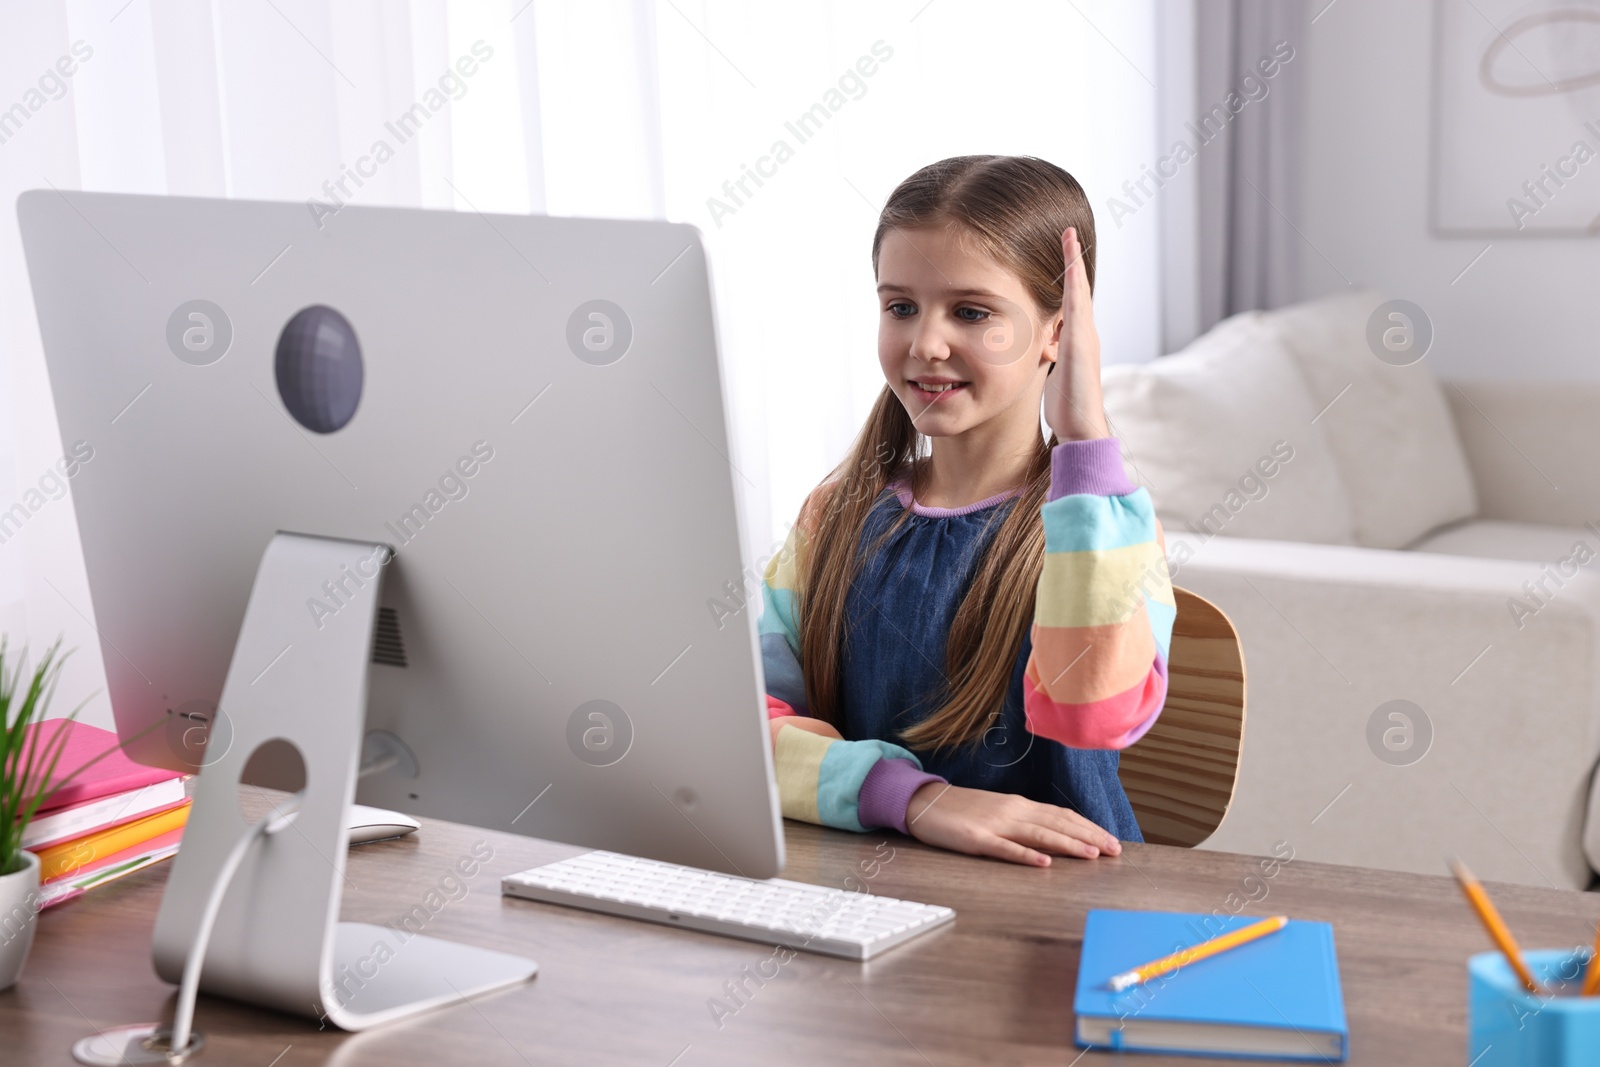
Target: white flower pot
x,y
19,917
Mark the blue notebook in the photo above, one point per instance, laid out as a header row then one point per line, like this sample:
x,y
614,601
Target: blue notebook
x,y
1274,998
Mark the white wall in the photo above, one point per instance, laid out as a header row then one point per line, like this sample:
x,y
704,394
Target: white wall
x,y
1527,309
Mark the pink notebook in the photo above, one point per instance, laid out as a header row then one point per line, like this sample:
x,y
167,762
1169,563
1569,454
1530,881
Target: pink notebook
x,y
115,773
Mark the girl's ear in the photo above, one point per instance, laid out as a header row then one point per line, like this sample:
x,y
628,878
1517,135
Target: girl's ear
x,y
1052,340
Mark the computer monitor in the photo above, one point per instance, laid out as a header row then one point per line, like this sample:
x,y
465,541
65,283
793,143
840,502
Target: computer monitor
x,y
527,410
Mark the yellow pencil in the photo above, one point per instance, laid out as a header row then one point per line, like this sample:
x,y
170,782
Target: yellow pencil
x,y
1591,977
1493,923
1184,957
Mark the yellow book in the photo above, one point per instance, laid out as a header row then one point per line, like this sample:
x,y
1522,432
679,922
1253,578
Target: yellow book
x,y
69,856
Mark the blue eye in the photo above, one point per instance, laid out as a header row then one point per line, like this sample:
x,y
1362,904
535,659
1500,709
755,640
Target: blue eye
x,y
900,304
978,311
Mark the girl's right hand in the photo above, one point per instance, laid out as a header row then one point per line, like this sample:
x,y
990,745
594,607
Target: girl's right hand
x,y
1003,825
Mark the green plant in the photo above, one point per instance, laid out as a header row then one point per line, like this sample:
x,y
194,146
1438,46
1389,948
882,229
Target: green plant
x,y
27,757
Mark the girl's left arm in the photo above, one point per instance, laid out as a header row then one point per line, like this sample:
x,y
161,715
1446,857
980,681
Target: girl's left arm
x,y
1102,628
1102,624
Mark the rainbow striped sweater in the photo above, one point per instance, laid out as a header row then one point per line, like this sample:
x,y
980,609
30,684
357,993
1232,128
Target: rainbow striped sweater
x,y
1095,677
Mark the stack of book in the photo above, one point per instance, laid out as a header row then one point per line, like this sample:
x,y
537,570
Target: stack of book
x,y
112,817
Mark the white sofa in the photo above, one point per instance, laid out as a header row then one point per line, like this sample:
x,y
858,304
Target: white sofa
x,y
1370,531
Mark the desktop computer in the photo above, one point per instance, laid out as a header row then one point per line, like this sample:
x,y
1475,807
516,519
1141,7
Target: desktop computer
x,y
420,509
424,511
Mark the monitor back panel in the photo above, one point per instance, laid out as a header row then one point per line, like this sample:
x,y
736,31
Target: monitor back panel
x,y
564,518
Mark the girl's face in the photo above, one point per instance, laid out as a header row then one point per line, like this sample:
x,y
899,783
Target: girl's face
x,y
958,337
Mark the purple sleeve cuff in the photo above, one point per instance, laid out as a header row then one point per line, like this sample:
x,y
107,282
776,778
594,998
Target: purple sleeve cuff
x,y
886,792
1093,467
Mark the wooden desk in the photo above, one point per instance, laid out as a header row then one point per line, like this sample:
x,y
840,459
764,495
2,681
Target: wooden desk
x,y
995,987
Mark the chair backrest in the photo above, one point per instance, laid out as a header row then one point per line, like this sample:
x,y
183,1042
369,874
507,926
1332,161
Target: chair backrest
x,y
1180,776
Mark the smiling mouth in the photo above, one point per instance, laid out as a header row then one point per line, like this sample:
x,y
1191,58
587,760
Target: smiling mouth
x,y
933,392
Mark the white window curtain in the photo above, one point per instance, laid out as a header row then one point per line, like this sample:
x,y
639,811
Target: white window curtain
x,y
778,129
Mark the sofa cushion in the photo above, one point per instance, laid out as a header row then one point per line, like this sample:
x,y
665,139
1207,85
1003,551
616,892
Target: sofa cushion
x,y
1221,435
1499,539
1391,431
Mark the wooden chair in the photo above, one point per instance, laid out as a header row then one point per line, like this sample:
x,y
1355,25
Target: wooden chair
x,y
1180,776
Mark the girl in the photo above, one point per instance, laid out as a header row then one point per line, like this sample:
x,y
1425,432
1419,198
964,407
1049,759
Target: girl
x,y
995,601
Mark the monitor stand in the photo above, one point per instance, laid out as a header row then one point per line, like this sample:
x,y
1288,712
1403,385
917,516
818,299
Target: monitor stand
x,y
277,941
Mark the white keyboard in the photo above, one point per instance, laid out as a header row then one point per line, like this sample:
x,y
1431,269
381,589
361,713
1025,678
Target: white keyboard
x,y
814,918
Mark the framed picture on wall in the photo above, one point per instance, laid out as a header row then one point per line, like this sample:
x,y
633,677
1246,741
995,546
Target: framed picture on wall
x,y
1516,117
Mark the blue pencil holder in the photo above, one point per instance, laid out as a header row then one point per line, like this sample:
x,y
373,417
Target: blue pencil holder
x,y
1510,1027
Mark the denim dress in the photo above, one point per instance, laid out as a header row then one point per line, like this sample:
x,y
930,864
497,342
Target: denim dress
x,y
897,622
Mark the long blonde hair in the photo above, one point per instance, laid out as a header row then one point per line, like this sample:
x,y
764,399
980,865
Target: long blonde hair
x,y
1016,208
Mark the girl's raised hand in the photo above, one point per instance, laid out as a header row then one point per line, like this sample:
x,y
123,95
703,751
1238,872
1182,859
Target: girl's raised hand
x,y
1072,404
1003,825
